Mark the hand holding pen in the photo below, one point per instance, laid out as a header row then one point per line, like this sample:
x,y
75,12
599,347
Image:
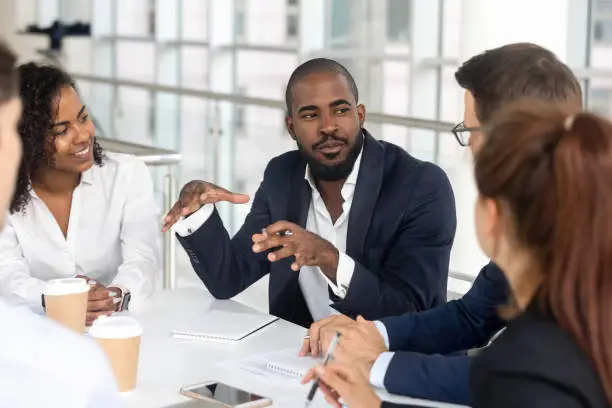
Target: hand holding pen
x,y
341,381
317,383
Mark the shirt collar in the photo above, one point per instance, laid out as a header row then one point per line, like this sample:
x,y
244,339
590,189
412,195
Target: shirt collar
x,y
86,178
350,180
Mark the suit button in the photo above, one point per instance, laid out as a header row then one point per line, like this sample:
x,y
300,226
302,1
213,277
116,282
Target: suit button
x,y
190,230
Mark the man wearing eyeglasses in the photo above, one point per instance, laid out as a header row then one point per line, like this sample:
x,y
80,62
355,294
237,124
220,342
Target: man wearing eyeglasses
x,y
424,354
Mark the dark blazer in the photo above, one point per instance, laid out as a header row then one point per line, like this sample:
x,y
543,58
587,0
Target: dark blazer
x,y
422,342
401,228
535,364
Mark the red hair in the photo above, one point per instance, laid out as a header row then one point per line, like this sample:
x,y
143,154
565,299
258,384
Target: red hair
x,y
554,173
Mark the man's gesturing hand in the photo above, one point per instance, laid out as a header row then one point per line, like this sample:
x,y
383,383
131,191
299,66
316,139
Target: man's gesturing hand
x,y
194,195
293,240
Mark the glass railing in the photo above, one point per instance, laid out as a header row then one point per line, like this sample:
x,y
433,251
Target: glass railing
x,y
163,164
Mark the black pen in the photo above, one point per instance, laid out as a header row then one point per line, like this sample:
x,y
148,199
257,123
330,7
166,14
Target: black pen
x,y
328,356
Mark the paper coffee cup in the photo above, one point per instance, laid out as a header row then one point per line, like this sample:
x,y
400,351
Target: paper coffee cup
x,y
119,337
66,302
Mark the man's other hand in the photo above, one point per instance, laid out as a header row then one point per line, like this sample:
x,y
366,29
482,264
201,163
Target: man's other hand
x,y
194,195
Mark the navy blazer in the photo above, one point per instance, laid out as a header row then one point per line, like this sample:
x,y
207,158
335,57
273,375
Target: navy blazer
x,y
422,366
401,228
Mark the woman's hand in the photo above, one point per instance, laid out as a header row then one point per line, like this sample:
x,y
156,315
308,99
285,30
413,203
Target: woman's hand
x,y
346,382
102,301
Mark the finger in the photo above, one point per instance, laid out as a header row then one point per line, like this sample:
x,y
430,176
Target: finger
x,y
91,282
310,375
259,237
233,198
101,294
108,304
285,252
305,350
315,333
300,261
336,377
172,217
281,226
273,241
330,395
193,203
92,316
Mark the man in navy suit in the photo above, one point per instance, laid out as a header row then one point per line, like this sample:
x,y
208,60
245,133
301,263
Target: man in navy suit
x,y
345,221
423,354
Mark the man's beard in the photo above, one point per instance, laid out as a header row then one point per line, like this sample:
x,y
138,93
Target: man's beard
x,y
323,172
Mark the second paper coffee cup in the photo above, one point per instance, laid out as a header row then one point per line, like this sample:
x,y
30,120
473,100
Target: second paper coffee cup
x,y
119,337
66,302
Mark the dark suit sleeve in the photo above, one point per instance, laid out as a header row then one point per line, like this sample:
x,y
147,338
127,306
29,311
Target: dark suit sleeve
x,y
511,391
434,377
228,266
457,325
415,269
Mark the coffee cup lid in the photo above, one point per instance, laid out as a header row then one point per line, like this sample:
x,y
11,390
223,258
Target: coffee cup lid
x,y
67,286
115,327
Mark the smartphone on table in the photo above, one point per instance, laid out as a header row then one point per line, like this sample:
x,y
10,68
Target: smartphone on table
x,y
218,394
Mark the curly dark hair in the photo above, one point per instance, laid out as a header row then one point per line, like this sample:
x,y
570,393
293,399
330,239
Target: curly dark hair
x,y
39,86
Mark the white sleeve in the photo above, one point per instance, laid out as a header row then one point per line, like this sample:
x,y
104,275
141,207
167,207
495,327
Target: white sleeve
x,y
189,225
383,332
344,273
140,237
379,369
17,286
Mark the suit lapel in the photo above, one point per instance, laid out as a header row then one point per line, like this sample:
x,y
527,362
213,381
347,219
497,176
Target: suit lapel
x,y
299,198
290,297
369,183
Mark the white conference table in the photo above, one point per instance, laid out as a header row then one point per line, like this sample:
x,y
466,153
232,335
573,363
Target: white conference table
x,y
166,363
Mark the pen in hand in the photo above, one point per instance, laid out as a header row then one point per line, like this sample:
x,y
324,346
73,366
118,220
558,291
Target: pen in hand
x,y
328,356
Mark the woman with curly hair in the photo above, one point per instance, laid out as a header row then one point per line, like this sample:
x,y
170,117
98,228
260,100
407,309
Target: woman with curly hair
x,y
76,210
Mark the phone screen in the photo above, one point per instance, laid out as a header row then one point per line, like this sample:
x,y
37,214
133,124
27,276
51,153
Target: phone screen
x,y
224,394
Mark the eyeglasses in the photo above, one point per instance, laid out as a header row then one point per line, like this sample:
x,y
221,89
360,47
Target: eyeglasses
x,y
460,132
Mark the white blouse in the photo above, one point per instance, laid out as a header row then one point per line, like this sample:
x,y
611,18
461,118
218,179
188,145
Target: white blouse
x,y
113,236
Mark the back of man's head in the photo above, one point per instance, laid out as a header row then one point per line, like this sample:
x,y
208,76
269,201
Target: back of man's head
x,y
518,71
8,73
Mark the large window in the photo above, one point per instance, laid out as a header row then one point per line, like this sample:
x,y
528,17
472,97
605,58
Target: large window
x,y
398,20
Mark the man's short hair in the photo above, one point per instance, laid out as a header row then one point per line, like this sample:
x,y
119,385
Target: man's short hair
x,y
315,66
9,78
517,71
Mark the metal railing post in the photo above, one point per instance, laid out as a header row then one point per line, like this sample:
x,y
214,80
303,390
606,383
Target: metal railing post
x,y
169,243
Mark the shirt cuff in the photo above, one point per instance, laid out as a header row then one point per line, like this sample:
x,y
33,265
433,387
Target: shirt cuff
x,y
189,225
344,273
379,369
383,332
122,288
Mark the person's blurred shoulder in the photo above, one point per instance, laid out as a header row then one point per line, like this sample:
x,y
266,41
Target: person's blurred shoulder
x,y
36,353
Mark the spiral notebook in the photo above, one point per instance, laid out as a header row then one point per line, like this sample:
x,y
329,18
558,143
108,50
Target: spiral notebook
x,y
287,362
222,326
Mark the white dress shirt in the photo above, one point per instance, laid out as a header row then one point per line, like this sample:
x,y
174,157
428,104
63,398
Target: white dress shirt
x,y
44,365
113,236
379,369
312,281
